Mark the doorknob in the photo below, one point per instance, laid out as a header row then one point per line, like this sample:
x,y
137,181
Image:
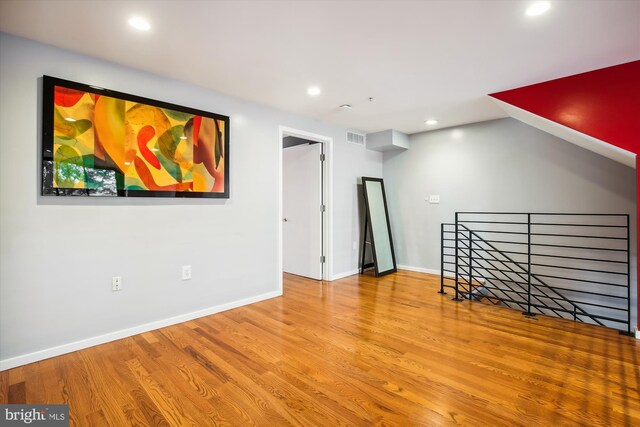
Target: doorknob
x,y
284,219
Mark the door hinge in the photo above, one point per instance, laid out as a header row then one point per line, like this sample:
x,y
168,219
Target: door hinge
x,y
322,259
322,208
322,157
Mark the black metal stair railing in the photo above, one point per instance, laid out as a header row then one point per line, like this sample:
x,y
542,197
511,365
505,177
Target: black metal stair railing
x,y
553,301
572,266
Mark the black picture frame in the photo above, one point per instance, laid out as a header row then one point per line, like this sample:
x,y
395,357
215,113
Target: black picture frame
x,y
47,159
368,230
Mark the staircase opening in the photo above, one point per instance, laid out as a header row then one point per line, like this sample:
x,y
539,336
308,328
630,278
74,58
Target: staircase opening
x,y
567,265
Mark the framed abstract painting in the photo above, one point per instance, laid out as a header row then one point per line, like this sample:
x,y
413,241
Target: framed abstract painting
x,y
99,142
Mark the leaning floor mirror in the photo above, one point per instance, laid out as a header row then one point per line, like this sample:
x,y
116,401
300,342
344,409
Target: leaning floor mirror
x,y
377,228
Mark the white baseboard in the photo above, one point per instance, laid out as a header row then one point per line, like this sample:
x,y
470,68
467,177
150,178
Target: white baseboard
x,y
124,333
400,267
345,274
436,272
418,269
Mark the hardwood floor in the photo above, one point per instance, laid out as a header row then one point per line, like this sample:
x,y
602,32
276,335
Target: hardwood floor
x,y
357,351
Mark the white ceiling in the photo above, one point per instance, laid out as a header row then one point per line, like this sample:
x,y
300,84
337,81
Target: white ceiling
x,y
417,59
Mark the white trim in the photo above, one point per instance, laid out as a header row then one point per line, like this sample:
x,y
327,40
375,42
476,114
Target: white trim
x,y
345,274
124,333
418,269
561,131
280,268
637,334
436,272
328,197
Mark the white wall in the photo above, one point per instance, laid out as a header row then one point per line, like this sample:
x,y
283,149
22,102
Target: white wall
x,y
57,255
502,166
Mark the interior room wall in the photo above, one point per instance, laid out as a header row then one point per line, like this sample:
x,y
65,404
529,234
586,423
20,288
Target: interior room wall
x,y
57,255
500,165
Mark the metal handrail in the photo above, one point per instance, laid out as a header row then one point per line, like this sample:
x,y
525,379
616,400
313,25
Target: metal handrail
x,y
531,284
478,259
542,294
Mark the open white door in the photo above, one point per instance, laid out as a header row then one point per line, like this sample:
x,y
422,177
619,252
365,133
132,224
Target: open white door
x,y
301,208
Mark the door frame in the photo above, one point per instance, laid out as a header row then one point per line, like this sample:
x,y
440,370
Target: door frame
x,y
327,182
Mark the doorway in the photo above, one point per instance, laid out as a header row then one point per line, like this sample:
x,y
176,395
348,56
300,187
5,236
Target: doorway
x,y
304,204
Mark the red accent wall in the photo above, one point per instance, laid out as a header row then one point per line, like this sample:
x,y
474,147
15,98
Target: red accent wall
x,y
604,103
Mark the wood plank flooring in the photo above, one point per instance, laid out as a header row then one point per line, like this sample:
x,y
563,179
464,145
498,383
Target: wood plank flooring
x,y
359,351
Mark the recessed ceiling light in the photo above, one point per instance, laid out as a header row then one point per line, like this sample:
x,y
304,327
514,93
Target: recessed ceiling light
x,y
313,91
127,163
346,107
70,119
538,8
431,122
139,23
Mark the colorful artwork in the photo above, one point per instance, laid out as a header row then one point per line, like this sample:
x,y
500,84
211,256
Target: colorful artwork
x,y
99,142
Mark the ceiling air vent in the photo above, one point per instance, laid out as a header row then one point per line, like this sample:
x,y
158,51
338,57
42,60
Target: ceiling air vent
x,y
355,138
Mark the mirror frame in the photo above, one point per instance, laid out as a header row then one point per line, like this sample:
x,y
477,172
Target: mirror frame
x,y
370,227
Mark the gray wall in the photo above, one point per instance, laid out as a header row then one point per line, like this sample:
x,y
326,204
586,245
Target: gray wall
x,y
500,165
57,255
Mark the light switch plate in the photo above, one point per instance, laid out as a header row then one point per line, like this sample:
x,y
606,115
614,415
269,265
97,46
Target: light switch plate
x,y
186,272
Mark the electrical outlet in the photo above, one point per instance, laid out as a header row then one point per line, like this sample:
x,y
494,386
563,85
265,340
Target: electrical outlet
x,y
186,272
434,198
116,283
